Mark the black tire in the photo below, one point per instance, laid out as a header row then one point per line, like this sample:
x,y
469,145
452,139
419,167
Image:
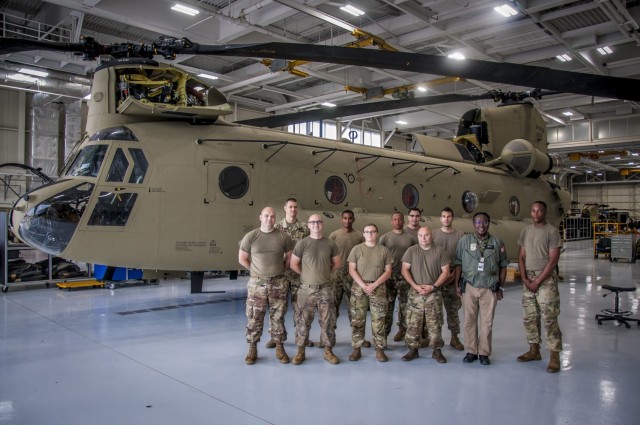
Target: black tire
x,y
5,288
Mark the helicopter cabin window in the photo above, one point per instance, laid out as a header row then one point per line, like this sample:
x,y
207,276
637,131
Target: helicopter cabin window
x,y
410,196
514,206
140,166
469,201
112,209
335,190
233,182
88,161
121,134
118,167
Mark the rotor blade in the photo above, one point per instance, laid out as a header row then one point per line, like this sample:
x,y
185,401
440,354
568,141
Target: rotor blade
x,y
364,108
16,45
497,72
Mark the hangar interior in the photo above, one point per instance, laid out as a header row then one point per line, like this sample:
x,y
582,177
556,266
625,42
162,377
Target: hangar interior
x,y
155,354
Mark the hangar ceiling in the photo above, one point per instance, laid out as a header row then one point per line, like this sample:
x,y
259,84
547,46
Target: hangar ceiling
x,y
538,34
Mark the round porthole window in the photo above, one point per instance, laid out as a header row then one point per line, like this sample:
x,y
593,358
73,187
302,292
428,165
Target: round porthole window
x,y
469,201
410,196
335,190
233,182
514,206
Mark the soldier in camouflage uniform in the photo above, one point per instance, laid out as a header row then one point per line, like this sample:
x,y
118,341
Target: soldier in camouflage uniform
x,y
426,268
540,245
447,237
481,260
315,258
414,216
266,252
370,267
397,241
345,238
297,230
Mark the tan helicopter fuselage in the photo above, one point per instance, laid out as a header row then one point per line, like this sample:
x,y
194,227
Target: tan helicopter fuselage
x,y
205,186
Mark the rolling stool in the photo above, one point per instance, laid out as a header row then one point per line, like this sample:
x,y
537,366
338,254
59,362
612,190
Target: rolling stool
x,y
616,314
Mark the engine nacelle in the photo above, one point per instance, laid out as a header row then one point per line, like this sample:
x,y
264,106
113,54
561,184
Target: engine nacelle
x,y
526,161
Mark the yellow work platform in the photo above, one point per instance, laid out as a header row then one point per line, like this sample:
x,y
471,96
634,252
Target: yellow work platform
x,y
80,284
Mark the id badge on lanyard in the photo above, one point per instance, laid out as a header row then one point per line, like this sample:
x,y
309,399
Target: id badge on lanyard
x,y
481,264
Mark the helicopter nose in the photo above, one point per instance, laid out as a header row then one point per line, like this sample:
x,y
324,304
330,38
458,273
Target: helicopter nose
x,y
48,217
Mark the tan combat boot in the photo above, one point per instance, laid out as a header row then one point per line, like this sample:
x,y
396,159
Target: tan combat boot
x,y
270,344
299,357
455,343
532,354
281,355
381,356
355,356
252,355
437,354
411,354
329,356
400,335
554,362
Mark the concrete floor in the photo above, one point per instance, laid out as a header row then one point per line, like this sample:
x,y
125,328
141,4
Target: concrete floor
x,y
159,355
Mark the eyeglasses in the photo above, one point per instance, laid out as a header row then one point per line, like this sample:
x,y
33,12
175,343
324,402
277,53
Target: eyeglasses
x,y
315,223
480,223
370,232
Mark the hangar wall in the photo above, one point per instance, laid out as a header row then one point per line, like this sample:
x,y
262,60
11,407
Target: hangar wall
x,y
625,196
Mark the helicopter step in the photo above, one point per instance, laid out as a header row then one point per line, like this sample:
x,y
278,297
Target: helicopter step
x,y
92,283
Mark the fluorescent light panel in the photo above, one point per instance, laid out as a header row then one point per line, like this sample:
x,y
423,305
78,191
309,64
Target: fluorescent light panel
x,y
33,72
184,9
422,89
506,10
352,10
567,113
209,76
457,55
564,58
328,104
606,50
401,122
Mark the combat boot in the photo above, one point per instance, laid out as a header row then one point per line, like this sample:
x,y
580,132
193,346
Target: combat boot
x,y
455,343
299,357
329,356
252,355
270,344
400,335
281,355
554,362
437,354
381,356
411,355
532,354
355,355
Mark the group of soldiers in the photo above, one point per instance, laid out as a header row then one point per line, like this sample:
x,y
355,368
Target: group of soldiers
x,y
423,269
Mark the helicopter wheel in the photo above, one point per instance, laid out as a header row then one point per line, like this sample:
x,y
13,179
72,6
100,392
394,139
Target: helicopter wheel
x,y
5,288
111,285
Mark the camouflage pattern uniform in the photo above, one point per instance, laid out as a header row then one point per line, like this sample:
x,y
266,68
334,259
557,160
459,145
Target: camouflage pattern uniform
x,y
297,231
341,279
452,302
546,301
423,309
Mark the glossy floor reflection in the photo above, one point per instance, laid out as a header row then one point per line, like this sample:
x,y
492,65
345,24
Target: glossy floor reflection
x,y
159,355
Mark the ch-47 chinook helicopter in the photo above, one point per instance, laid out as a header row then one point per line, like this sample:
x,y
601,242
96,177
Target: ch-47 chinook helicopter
x,y
162,183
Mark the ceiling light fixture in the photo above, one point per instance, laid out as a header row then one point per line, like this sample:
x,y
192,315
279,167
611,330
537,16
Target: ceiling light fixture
x,y
184,9
564,58
211,77
457,55
506,10
422,89
567,113
401,122
352,10
33,72
617,157
606,50
328,104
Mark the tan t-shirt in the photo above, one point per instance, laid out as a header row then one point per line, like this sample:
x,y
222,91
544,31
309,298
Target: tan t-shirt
x,y
315,255
267,251
345,242
398,245
447,241
370,260
411,231
537,242
426,264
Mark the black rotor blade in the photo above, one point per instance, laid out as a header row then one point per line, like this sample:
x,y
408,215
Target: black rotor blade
x,y
364,108
497,72
16,45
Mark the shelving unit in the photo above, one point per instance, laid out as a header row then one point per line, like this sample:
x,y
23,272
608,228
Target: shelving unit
x,y
575,228
603,230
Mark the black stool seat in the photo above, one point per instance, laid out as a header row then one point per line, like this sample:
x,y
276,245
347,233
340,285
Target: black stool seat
x,y
616,314
619,288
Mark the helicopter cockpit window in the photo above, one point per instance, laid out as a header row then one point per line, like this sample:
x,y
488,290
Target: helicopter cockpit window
x,y
233,182
514,206
118,167
88,161
469,201
140,166
410,196
121,134
113,209
335,190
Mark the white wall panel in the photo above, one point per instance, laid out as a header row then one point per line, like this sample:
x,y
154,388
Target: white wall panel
x,y
623,196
